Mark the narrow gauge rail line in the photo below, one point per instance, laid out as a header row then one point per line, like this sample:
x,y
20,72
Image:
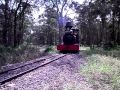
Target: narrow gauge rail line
x,y
15,72
22,64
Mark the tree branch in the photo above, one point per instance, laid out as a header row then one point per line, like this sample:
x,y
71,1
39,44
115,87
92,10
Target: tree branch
x,y
1,1
64,3
13,4
56,5
23,8
18,6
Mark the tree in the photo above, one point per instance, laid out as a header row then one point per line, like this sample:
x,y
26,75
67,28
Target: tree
x,y
60,7
13,12
46,31
98,21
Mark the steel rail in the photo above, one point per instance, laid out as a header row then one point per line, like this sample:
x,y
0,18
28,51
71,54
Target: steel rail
x,y
4,77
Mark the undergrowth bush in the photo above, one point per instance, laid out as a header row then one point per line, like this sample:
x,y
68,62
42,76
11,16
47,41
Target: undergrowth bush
x,y
22,53
48,49
113,52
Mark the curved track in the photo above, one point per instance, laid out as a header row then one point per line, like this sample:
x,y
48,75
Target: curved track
x,y
19,69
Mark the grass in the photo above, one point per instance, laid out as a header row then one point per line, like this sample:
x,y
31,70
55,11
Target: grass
x,y
113,52
102,68
22,53
51,50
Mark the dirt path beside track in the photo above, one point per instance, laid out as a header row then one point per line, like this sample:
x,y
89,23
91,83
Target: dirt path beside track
x,y
63,74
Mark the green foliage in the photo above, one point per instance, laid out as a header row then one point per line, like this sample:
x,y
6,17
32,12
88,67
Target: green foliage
x,y
4,49
19,54
96,66
49,49
102,70
114,52
95,25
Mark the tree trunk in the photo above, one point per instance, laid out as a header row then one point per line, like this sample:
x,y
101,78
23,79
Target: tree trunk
x,y
5,25
118,33
113,29
60,22
4,36
15,24
104,34
15,32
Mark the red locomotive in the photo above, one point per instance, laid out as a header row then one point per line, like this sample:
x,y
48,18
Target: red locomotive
x,y
70,40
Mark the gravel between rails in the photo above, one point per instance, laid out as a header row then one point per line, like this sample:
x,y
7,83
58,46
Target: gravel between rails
x,y
62,74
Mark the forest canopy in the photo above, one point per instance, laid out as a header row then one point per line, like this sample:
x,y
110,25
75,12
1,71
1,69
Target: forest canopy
x,y
98,21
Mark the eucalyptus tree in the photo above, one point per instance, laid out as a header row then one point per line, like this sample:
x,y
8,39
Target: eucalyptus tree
x,y
49,25
115,13
14,14
61,6
109,12
86,21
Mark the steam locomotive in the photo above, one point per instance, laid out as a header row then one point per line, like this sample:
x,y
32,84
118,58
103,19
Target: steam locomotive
x,y
70,40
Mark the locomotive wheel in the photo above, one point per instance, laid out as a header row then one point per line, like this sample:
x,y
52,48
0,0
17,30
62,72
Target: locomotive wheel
x,y
65,52
75,52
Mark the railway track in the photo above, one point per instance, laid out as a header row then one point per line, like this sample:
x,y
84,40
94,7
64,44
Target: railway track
x,y
11,72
